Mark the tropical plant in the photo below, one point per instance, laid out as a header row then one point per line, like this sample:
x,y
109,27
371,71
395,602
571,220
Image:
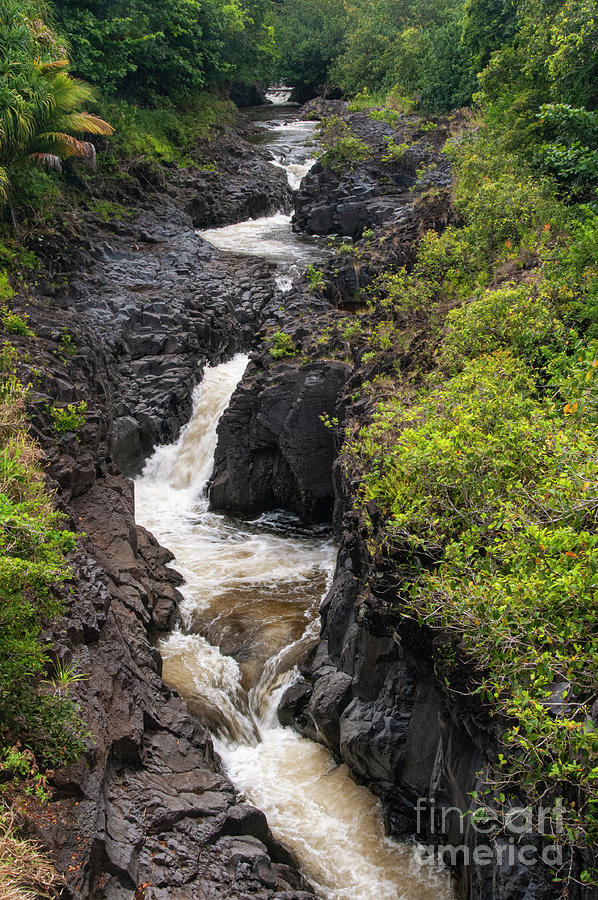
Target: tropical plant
x,y
41,104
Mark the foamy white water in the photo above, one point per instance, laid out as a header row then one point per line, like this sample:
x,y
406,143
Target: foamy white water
x,y
279,93
293,147
245,584
331,824
250,610
271,238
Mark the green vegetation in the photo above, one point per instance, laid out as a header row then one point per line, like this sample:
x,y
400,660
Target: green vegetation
x,y
482,457
174,48
394,152
315,278
41,103
40,729
485,467
405,47
166,134
33,548
68,418
156,72
283,345
342,148
13,323
309,35
66,347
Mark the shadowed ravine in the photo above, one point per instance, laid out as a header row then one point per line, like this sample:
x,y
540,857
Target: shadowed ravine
x,y
250,611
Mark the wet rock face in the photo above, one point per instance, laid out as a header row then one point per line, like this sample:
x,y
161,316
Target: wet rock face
x,y
244,186
148,805
161,303
274,451
360,196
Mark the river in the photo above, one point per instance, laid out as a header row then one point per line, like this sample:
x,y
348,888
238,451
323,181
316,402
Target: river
x,y
250,610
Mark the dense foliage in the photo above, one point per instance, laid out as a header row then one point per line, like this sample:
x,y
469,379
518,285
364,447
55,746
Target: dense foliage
x,y
532,55
146,49
482,468
485,470
411,46
41,113
33,548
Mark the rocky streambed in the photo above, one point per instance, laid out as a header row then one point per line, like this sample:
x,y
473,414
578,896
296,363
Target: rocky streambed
x,y
147,303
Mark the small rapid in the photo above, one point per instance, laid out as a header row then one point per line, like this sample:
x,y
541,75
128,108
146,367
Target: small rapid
x,y
292,145
250,610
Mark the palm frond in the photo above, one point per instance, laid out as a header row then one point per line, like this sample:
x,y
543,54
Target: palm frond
x,y
86,122
47,160
42,107
4,183
57,142
57,64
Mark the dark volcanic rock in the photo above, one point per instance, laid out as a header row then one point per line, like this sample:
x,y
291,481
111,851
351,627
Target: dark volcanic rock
x,y
244,186
273,450
356,197
160,302
370,694
320,107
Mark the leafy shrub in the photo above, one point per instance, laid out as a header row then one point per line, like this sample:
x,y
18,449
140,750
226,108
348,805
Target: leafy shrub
x,y
33,548
573,274
351,329
109,211
431,465
504,210
315,278
400,291
397,100
342,149
364,100
167,134
67,347
13,323
390,116
426,127
68,418
283,345
453,262
6,289
394,152
519,317
572,153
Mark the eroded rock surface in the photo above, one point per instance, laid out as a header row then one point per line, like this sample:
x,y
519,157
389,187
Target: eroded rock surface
x,y
358,196
274,447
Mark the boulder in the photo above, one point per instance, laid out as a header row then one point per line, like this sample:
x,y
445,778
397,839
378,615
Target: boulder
x,y
274,449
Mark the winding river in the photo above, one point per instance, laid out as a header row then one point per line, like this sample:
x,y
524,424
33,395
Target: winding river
x,y
251,597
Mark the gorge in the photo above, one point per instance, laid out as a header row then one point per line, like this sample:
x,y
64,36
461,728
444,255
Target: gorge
x,y
297,459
